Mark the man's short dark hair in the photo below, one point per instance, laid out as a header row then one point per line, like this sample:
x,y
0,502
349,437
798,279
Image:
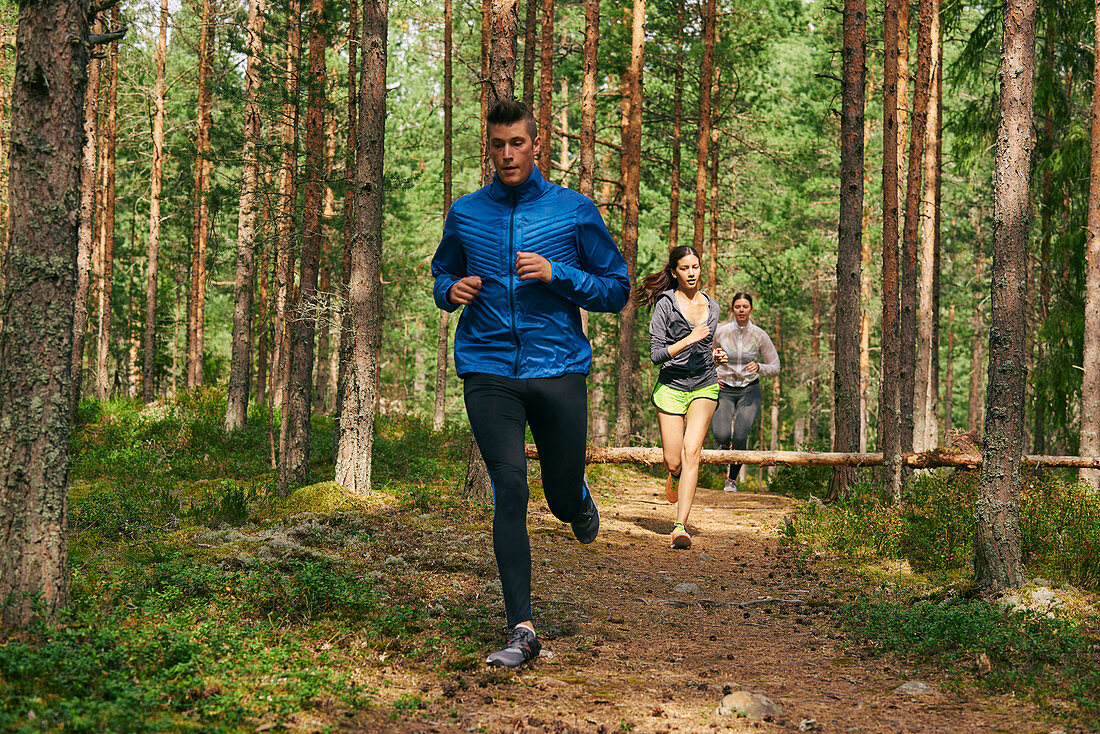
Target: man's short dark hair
x,y
508,111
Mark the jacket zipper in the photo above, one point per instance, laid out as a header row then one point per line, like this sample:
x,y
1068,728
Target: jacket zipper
x,y
511,282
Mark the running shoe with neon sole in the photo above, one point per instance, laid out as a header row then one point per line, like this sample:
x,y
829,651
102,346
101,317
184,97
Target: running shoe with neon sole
x,y
671,492
523,647
680,537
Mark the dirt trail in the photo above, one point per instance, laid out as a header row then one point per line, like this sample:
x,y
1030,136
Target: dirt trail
x,y
625,651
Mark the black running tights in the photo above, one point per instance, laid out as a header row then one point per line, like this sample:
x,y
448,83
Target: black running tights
x,y
556,408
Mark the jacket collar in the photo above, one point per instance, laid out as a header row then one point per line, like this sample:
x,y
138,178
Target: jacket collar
x,y
529,190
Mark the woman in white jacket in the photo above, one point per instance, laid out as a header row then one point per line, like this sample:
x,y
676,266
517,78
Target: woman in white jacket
x,y
750,355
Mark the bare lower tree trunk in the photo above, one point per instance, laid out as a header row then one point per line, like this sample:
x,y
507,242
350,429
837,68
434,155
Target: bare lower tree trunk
x,y
889,413
196,299
443,335
849,243
677,130
323,385
925,429
710,22
631,173
529,48
949,374
86,231
712,259
1090,383
815,352
998,560
974,402
353,465
350,173
149,335
586,183
51,67
563,158
546,86
287,217
502,53
240,363
294,450
908,313
106,225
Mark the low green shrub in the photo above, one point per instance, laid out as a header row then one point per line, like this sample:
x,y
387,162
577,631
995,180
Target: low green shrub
x,y
1028,653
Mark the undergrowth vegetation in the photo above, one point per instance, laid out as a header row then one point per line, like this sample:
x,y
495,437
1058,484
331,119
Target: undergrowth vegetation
x,y
929,612
203,601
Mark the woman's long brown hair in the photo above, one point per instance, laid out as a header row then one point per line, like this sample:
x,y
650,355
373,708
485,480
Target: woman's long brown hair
x,y
646,292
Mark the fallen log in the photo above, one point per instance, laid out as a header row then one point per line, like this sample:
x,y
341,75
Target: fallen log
x,y
924,459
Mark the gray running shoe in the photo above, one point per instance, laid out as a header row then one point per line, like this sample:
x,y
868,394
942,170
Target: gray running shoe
x,y
731,485
523,647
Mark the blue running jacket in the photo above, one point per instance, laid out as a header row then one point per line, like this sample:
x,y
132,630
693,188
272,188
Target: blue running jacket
x,y
527,328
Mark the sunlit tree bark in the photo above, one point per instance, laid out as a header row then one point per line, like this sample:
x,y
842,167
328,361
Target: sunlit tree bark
x,y
710,22
106,224
443,334
628,243
51,67
86,230
196,298
353,461
240,363
998,560
1090,386
849,243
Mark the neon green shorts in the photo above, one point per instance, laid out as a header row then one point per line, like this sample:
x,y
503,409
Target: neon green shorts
x,y
676,402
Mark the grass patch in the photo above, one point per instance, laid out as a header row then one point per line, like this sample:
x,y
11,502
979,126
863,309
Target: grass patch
x,y
1051,661
910,552
203,601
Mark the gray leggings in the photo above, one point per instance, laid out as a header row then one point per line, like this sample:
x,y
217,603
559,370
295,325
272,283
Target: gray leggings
x,y
732,421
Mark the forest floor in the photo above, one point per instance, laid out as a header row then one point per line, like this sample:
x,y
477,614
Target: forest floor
x,y
625,650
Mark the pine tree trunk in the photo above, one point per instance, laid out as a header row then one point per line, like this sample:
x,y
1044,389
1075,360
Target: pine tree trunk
x,y
889,413
925,429
86,230
529,48
107,224
149,334
563,157
849,243
706,81
263,322
998,560
294,450
626,365
196,299
974,401
1090,383
50,74
677,130
949,374
486,38
865,289
353,465
443,334
586,183
287,218
775,399
546,86
815,353
909,274
323,385
712,256
502,54
240,364
350,173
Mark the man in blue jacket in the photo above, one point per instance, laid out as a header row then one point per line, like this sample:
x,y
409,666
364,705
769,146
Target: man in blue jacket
x,y
523,256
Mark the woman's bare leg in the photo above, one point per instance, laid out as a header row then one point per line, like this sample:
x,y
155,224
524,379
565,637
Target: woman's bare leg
x,y
672,440
697,423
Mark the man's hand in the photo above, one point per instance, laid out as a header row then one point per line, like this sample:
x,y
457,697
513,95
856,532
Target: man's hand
x,y
532,266
464,291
